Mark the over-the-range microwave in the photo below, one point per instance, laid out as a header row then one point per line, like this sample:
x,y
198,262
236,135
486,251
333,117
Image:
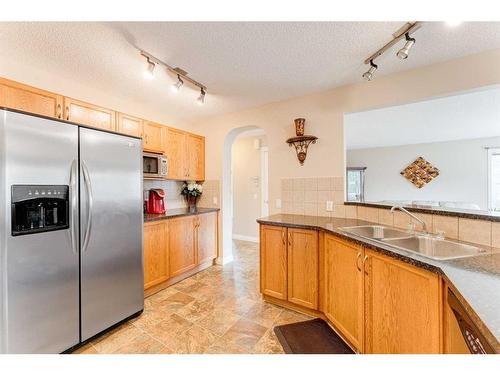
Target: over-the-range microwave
x,y
154,165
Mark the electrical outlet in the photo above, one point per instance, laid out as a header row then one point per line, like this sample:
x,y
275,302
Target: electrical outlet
x,y
215,200
329,205
278,203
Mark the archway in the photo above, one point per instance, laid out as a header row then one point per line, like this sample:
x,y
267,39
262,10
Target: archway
x,y
227,193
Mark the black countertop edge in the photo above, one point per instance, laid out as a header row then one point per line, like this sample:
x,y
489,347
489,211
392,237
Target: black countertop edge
x,y
418,261
178,212
466,214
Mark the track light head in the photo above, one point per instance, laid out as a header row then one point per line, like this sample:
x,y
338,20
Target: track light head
x,y
201,98
403,52
176,87
368,75
149,73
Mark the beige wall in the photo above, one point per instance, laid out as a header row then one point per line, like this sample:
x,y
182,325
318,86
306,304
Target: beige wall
x,y
246,187
324,116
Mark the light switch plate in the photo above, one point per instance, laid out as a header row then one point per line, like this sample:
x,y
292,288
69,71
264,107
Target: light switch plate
x,y
329,205
278,203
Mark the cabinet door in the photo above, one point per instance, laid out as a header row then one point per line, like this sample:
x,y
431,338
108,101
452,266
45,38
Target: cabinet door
x,y
343,277
402,307
29,99
175,150
196,157
303,267
152,134
129,125
155,253
181,245
89,114
273,261
207,237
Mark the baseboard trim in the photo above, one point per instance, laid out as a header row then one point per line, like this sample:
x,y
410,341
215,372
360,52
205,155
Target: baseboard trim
x,y
241,237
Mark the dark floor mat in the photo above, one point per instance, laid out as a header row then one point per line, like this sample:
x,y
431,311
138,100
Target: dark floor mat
x,y
310,337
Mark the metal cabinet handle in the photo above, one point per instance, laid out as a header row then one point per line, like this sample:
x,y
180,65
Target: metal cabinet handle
x,y
364,264
67,113
358,257
90,204
73,192
58,111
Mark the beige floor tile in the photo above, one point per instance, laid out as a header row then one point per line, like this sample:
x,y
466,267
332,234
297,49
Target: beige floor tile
x,y
223,346
245,334
116,338
142,344
195,340
264,314
166,329
268,344
289,317
218,321
85,349
175,302
197,309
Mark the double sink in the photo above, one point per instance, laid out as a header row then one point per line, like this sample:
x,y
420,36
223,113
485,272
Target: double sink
x,y
423,244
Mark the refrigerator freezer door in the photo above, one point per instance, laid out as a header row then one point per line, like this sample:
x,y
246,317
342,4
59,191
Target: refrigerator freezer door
x,y
111,225
38,272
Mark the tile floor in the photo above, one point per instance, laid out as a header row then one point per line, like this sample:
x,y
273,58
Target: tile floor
x,y
217,311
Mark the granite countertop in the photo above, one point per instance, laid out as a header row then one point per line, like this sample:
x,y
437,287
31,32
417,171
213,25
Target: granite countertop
x,y
474,280
177,212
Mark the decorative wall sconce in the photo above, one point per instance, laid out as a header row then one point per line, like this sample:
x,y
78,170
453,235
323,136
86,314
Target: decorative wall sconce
x,y
301,141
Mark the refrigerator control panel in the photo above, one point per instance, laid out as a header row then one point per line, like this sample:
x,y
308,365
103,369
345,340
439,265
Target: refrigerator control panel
x,y
39,208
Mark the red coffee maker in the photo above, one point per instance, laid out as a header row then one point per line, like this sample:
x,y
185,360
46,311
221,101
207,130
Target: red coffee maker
x,y
156,202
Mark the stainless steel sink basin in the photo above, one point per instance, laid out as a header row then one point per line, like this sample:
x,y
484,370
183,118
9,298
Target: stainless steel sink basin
x,y
435,248
376,232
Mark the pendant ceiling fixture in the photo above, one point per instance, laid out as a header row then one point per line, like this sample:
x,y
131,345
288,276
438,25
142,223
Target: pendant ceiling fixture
x,y
405,33
181,74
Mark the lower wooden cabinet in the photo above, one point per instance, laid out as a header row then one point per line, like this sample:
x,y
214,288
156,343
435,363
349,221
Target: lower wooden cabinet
x,y
303,262
343,288
181,243
174,248
206,237
273,261
402,307
156,268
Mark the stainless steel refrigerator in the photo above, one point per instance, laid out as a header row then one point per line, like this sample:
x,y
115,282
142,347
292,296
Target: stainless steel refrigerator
x,y
71,258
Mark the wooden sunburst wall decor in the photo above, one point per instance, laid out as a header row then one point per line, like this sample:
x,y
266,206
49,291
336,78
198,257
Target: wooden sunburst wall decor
x,y
420,172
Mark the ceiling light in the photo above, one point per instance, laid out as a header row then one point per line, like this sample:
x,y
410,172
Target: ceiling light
x,y
453,23
149,73
368,75
201,98
403,52
176,87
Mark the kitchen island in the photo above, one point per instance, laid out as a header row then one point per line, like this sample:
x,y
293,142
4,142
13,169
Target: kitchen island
x,y
379,298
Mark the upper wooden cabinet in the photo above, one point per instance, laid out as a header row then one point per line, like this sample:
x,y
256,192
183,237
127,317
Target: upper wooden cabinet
x,y
206,237
156,269
402,307
152,137
175,150
89,114
29,99
129,125
303,267
196,157
273,261
343,288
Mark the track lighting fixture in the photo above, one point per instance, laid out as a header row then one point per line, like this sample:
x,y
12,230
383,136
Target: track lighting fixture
x,y
182,75
176,87
149,73
404,32
403,52
201,98
368,75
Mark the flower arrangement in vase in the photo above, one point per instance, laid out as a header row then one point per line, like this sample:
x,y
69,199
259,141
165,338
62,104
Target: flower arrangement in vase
x,y
192,191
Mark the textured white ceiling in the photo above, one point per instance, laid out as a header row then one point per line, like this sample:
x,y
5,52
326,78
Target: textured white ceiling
x,y
465,116
243,64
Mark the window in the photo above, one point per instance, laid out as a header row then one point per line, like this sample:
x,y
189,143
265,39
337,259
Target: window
x,y
494,179
355,184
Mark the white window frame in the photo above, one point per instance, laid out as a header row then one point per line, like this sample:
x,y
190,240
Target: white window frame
x,y
491,151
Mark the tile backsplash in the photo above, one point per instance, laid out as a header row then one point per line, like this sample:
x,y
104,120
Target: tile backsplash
x,y
308,196
174,199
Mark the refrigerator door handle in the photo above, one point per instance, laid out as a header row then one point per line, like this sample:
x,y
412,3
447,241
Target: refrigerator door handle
x,y
74,210
90,203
